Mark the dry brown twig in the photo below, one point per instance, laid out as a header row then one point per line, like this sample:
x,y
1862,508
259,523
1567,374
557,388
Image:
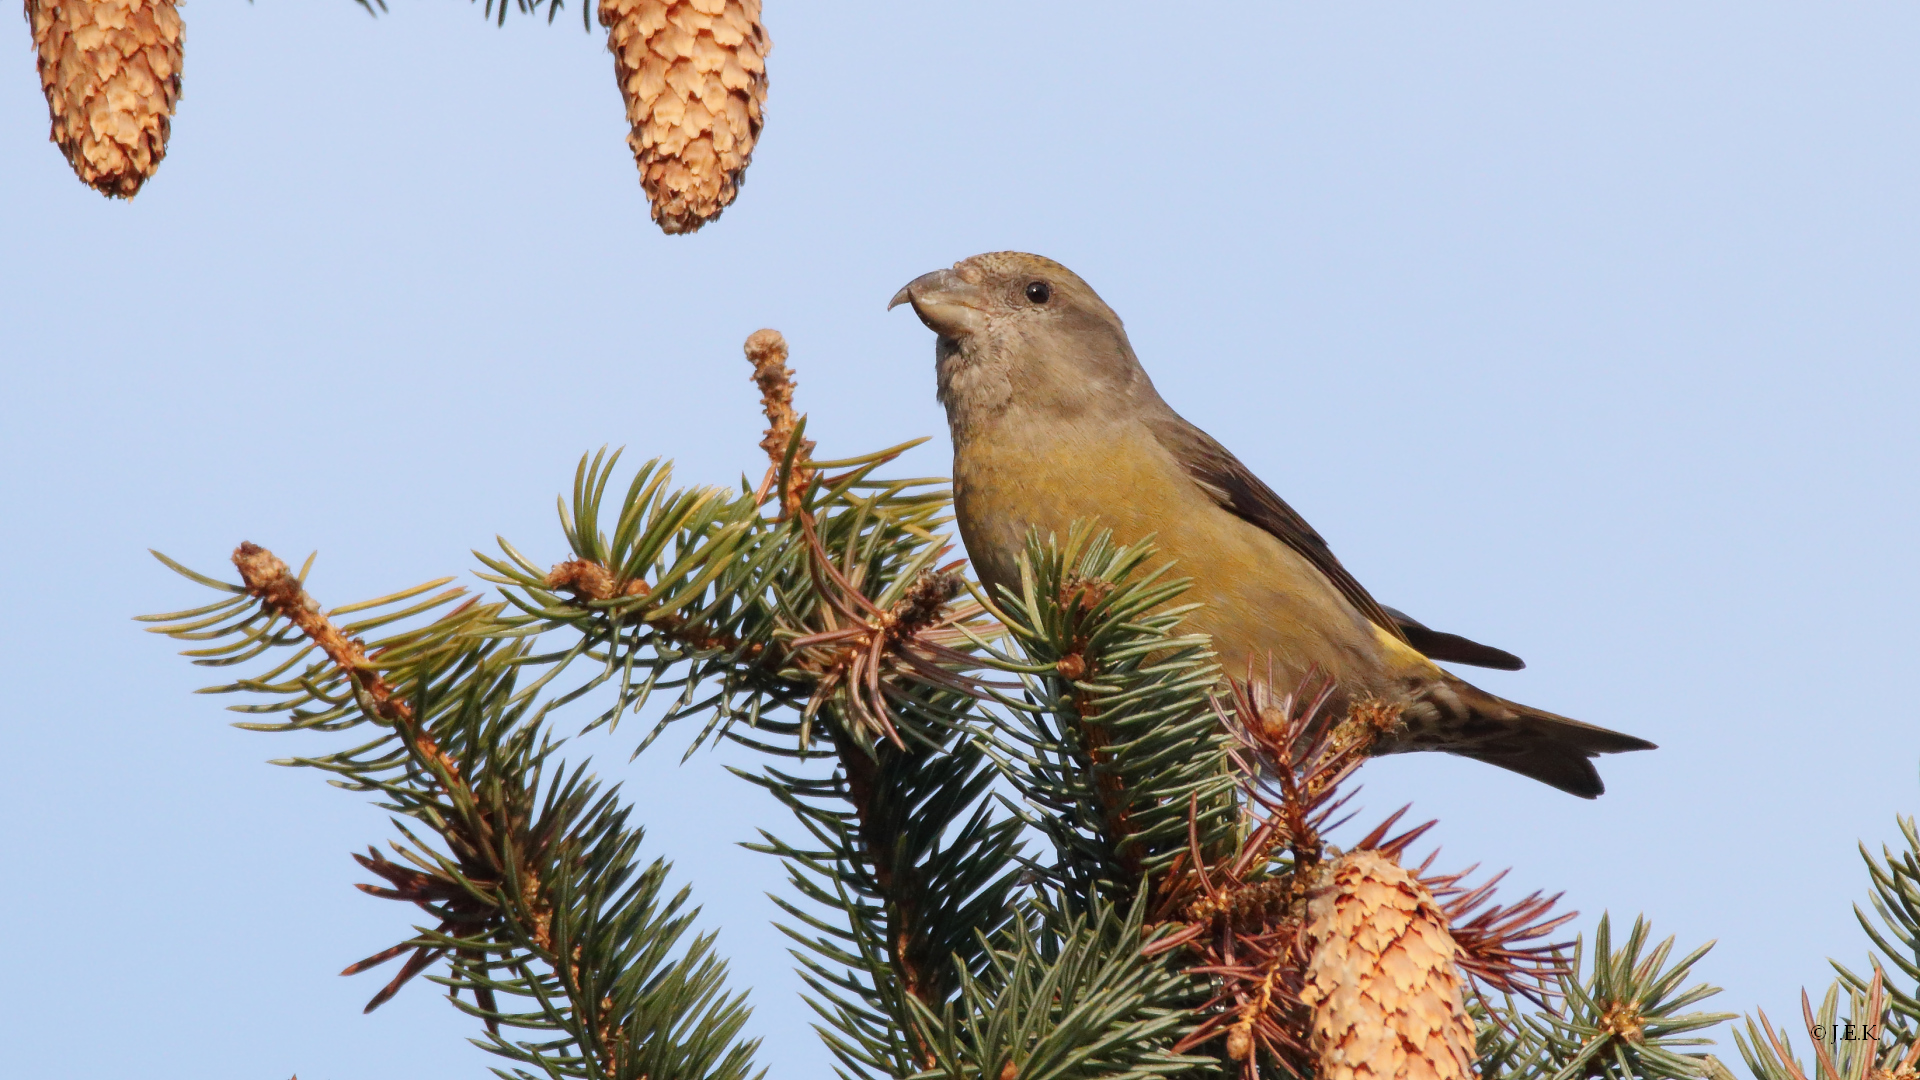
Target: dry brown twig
x,y
864,642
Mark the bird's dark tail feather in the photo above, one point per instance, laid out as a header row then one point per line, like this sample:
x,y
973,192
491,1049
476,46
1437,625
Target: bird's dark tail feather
x,y
1552,749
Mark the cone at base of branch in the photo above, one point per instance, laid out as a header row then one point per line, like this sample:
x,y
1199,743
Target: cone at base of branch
x,y
1386,994
111,73
693,74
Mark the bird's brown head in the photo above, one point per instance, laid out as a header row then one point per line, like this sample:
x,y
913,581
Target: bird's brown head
x,y
1015,327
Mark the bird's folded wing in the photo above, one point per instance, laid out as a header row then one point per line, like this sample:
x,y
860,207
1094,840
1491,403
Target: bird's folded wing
x,y
1440,645
1231,484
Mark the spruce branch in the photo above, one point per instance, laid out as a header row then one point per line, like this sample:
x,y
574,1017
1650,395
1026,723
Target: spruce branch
x,y
908,852
1860,1047
1113,741
913,868
1065,995
1626,1020
1189,919
1894,927
531,882
282,595
1506,1047
671,596
1877,1038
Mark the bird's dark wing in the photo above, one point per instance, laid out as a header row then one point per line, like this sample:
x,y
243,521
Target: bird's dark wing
x,y
1440,645
1237,490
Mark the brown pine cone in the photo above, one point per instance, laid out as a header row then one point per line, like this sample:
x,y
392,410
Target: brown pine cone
x,y
694,77
111,73
1386,996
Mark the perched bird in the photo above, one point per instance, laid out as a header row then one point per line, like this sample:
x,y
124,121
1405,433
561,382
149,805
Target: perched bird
x,y
1054,421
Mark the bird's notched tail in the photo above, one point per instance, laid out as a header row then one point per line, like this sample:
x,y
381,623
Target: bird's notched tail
x,y
1460,718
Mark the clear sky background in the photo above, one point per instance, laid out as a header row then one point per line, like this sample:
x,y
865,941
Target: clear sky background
x,y
1586,330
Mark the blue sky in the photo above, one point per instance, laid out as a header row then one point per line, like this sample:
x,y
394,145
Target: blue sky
x,y
1585,330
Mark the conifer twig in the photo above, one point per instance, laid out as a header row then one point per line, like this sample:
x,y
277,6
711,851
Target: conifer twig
x,y
280,592
462,914
534,890
863,643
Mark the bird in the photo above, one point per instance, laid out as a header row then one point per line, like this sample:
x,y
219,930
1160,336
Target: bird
x,y
1054,421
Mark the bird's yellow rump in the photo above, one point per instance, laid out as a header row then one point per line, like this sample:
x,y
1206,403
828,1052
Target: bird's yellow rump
x,y
1054,421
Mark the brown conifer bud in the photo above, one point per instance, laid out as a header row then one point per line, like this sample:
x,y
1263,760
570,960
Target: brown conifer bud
x,y
111,73
1387,998
694,77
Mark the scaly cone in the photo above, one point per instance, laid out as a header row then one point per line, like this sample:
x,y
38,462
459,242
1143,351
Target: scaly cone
x,y
694,77
1386,995
111,73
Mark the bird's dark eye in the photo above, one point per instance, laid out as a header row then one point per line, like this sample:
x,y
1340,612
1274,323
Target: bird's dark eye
x,y
1039,292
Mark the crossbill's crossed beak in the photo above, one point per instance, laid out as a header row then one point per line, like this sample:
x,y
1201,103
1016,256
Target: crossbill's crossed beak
x,y
945,301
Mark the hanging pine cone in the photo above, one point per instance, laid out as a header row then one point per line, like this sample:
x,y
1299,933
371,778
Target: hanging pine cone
x,y
1387,998
111,73
694,76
